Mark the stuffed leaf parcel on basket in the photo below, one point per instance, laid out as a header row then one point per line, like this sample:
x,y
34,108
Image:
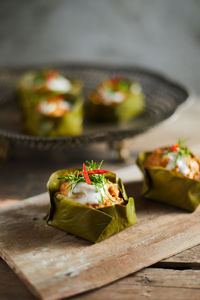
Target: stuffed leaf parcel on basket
x,y
51,104
116,99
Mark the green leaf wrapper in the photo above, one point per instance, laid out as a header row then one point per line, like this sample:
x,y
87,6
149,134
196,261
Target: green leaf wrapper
x,y
169,187
91,224
36,123
70,124
129,108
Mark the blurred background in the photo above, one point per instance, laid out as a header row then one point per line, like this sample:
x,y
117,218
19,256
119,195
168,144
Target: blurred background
x,y
163,35
159,34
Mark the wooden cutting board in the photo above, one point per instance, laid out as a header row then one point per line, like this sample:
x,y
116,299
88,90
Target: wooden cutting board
x,y
54,264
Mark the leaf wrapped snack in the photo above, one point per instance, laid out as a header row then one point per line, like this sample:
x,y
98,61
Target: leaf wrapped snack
x,y
51,104
48,82
115,100
93,224
53,116
171,175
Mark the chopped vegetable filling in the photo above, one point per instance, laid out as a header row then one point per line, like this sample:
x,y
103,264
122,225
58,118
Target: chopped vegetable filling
x,y
55,106
176,158
91,187
114,90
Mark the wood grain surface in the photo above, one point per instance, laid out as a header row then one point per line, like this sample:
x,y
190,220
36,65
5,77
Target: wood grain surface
x,y
151,284
54,264
29,174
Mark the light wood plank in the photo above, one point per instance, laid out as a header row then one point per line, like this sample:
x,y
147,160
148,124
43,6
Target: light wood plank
x,y
54,264
151,282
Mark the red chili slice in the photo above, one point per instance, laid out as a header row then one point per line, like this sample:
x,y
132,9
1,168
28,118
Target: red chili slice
x,y
51,74
56,98
116,79
96,171
85,173
175,147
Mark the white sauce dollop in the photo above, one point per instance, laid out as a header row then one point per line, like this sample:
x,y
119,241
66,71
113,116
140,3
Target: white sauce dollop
x,y
111,97
59,84
86,193
47,108
180,163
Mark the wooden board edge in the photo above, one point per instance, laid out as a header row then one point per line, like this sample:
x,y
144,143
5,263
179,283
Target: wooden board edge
x,y
6,257
195,241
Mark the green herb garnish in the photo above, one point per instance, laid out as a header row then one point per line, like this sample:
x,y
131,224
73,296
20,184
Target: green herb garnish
x,y
96,178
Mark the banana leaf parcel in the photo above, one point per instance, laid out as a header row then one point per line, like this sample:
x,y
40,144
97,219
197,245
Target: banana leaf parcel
x,y
50,109
37,123
91,224
169,187
36,82
132,105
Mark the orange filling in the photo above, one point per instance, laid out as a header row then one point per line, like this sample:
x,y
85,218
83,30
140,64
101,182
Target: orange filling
x,y
60,108
156,159
112,197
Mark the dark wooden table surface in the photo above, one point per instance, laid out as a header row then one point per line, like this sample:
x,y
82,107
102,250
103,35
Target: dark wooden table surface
x,y
25,173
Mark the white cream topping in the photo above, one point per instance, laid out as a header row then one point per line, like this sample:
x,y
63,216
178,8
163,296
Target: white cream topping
x,y
86,193
47,108
110,97
180,163
59,84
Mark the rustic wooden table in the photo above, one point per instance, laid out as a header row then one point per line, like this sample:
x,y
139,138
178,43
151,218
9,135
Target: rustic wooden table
x,y
24,174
